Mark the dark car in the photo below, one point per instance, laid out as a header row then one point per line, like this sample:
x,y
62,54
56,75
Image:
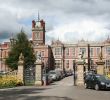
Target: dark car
x,y
97,82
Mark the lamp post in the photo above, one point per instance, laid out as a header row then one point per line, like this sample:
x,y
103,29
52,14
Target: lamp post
x,y
88,57
1,55
74,73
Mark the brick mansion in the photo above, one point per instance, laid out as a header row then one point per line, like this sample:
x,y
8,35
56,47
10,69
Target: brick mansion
x,y
61,55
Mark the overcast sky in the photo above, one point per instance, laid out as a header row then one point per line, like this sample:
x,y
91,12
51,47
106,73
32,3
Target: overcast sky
x,y
67,20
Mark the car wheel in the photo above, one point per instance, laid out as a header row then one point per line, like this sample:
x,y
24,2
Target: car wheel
x,y
85,85
97,87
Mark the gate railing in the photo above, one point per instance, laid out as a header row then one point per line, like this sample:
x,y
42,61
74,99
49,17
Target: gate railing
x,y
29,75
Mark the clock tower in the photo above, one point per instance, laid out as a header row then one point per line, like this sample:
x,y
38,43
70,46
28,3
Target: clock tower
x,y
38,32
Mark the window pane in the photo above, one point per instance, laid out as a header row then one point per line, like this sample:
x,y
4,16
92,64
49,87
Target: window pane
x,y
57,63
98,51
57,51
42,54
37,35
108,50
91,51
67,63
83,50
107,63
73,51
67,51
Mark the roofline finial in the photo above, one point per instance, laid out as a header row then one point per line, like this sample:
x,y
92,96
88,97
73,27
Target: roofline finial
x,y
38,16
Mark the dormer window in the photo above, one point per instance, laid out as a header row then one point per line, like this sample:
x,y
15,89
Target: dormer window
x,y
57,51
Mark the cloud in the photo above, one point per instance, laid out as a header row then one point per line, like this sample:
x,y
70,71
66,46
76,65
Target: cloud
x,y
86,29
67,20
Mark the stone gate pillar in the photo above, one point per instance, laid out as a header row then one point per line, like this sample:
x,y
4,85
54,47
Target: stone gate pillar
x,y
20,67
38,73
100,64
80,73
100,67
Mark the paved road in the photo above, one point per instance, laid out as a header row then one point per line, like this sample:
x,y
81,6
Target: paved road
x,y
61,90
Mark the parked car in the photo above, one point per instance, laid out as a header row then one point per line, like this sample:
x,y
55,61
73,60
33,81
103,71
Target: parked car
x,y
97,82
54,75
60,73
68,73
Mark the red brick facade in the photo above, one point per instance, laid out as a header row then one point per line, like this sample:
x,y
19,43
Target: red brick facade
x,y
60,55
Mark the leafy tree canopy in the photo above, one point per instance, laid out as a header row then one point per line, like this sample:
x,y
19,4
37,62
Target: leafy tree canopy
x,y
20,45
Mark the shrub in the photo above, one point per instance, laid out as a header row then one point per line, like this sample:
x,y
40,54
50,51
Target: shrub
x,y
108,75
10,81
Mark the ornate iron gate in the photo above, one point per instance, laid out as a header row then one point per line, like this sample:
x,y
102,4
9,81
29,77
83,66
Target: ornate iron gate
x,y
29,75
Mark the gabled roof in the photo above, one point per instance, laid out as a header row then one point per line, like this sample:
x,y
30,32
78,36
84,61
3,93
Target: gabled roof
x,y
57,42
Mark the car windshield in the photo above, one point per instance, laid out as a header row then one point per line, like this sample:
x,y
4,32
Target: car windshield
x,y
101,77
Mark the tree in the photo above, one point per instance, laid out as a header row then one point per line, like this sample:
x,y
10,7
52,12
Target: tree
x,y
21,45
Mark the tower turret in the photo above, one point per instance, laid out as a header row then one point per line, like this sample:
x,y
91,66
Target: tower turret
x,y
38,31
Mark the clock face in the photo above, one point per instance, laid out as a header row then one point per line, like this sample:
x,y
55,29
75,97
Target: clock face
x,y
37,24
